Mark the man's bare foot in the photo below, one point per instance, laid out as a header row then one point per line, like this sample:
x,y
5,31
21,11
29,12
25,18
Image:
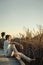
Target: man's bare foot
x,y
32,60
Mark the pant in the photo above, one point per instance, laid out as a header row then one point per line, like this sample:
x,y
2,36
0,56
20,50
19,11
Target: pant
x,y
12,47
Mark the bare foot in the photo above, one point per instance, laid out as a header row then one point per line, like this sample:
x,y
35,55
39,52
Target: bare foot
x,y
32,60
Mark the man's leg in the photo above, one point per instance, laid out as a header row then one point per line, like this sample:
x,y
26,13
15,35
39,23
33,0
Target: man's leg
x,y
21,62
21,54
15,49
18,57
25,57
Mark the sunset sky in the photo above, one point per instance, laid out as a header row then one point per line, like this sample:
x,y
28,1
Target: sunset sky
x,y
15,14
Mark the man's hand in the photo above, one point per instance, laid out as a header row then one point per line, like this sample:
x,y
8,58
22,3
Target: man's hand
x,y
21,46
17,55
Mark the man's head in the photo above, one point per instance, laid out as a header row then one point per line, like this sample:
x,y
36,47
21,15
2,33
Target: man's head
x,y
8,37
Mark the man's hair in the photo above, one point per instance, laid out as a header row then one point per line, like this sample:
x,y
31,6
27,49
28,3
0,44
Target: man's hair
x,y
7,36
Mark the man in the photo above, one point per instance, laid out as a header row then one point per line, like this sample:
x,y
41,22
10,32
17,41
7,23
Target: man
x,y
9,47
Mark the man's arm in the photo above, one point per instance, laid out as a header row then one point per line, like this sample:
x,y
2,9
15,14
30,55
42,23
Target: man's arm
x,y
16,43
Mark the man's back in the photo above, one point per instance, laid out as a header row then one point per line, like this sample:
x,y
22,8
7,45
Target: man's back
x,y
6,43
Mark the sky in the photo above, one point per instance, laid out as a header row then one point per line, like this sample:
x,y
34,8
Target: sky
x,y
16,14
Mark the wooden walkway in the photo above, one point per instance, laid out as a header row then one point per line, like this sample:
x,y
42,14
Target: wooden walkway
x,y
7,61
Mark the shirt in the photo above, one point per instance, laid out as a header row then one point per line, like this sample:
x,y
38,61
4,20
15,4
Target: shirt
x,y
6,44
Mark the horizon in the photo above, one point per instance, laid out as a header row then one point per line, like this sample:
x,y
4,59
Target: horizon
x,y
15,14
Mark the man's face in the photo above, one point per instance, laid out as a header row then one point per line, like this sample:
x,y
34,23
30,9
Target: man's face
x,y
10,38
